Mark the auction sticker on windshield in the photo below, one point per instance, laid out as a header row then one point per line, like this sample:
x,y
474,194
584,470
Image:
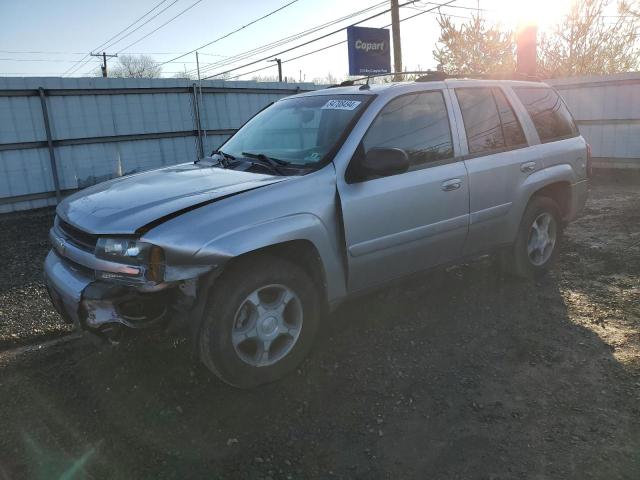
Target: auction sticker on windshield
x,y
341,104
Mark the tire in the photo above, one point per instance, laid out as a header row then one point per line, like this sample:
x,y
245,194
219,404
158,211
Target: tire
x,y
527,258
262,303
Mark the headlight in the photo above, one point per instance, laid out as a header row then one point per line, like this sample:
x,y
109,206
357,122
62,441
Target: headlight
x,y
132,252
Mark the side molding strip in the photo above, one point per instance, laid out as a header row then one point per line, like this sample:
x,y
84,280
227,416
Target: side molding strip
x,y
407,236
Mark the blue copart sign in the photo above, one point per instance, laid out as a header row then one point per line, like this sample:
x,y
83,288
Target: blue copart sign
x,y
369,51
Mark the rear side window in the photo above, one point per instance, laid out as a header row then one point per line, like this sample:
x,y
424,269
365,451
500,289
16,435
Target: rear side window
x,y
417,123
511,129
550,115
489,121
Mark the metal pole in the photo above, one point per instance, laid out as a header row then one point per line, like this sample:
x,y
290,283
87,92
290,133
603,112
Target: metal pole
x,y
196,110
397,48
52,153
279,69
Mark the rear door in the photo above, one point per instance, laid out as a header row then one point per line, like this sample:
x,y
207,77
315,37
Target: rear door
x,y
498,160
555,128
403,223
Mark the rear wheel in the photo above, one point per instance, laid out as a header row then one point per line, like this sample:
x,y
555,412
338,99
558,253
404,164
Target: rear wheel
x,y
538,242
260,321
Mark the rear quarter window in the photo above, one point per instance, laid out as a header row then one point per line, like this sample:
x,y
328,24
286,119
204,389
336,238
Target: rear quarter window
x,y
549,114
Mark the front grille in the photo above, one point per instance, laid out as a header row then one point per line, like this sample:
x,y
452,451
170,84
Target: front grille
x,y
76,267
83,240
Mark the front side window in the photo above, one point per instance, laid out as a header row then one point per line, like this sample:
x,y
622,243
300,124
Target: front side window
x,y
548,112
418,124
489,120
298,130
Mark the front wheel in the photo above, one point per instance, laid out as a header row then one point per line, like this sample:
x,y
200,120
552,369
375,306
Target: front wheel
x,y
260,321
538,242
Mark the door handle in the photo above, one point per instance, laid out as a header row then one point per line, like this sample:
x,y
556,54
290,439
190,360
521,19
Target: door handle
x,y
528,167
451,185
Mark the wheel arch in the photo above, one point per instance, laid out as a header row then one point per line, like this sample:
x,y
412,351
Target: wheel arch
x,y
303,238
554,182
301,252
560,193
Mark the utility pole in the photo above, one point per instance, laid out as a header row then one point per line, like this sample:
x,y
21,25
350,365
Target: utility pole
x,y
204,132
279,61
397,48
104,56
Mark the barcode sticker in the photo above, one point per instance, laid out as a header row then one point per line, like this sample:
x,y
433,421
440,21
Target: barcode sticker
x,y
341,104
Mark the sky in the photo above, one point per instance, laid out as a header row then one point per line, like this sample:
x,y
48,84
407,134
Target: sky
x,y
49,37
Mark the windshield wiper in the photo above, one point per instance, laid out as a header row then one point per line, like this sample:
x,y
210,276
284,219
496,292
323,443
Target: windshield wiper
x,y
262,156
225,158
271,163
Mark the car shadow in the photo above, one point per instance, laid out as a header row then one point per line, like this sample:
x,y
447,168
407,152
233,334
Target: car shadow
x,y
460,373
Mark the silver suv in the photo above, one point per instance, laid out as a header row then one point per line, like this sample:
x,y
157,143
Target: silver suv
x,y
318,197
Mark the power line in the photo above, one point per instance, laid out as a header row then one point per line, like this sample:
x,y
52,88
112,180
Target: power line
x,y
251,53
438,13
234,31
45,52
40,52
122,31
131,32
338,43
291,38
142,24
101,45
164,24
325,36
463,7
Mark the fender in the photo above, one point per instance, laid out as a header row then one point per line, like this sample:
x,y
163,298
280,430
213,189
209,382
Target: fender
x,y
301,226
534,182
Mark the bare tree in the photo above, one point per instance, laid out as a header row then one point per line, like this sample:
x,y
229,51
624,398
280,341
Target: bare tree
x,y
630,8
185,74
474,47
264,78
135,66
583,43
328,79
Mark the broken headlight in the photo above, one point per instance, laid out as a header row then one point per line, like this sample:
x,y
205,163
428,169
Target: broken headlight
x,y
132,252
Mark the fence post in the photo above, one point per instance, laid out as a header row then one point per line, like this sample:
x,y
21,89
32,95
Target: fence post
x,y
52,153
196,110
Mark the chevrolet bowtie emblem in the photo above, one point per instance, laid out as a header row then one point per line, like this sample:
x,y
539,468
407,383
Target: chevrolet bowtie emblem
x,y
60,246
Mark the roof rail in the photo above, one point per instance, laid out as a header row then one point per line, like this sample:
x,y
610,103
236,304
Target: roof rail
x,y
500,76
437,76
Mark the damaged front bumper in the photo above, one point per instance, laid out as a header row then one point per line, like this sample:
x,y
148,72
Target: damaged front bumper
x,y
99,306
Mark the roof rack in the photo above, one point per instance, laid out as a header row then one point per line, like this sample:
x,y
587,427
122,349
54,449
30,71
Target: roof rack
x,y
501,76
437,76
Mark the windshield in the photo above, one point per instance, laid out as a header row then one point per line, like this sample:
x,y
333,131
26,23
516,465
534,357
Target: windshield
x,y
298,130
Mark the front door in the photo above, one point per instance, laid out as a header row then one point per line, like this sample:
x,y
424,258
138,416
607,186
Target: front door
x,y
400,224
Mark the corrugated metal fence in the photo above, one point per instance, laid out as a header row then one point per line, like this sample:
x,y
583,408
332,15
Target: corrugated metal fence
x,y
61,134
607,111
101,128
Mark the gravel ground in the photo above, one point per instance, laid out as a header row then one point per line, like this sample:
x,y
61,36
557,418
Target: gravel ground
x,y
26,314
459,374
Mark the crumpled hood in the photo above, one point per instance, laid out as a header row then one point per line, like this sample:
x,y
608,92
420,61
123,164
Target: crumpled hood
x,y
126,205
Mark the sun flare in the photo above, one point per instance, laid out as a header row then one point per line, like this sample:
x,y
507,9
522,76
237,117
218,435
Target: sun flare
x,y
542,13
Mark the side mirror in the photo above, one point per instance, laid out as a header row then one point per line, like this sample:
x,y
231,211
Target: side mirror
x,y
383,162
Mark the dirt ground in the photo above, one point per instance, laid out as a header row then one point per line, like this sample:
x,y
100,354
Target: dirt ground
x,y
460,374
